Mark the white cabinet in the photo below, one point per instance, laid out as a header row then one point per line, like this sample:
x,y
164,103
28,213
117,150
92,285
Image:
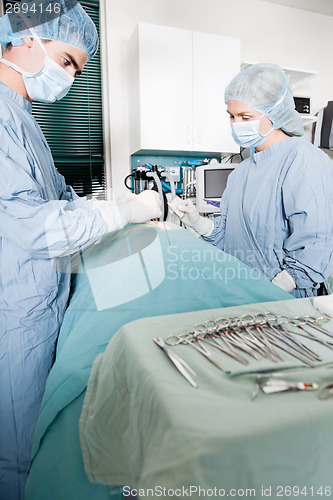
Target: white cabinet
x,y
216,60
160,93
176,81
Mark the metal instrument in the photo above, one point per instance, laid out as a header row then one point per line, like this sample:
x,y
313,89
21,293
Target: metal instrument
x,y
179,363
259,335
194,339
271,385
325,391
189,182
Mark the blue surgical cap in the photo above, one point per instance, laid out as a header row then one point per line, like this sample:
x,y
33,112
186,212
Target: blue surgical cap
x,y
265,88
73,27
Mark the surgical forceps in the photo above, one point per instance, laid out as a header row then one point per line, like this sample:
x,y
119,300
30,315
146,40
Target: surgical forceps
x,y
246,344
194,339
300,323
226,339
288,337
179,363
232,331
218,343
259,335
269,336
313,322
259,319
284,340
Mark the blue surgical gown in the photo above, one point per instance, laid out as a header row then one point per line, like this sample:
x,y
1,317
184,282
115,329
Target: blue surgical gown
x,y
277,213
42,222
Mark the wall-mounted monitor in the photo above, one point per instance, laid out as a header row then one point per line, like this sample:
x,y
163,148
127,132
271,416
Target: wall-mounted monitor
x,y
211,181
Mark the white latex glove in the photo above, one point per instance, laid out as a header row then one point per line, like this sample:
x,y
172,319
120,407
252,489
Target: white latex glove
x,y
138,208
116,215
188,213
125,197
145,206
284,281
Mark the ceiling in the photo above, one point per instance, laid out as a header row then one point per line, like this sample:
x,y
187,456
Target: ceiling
x,y
319,6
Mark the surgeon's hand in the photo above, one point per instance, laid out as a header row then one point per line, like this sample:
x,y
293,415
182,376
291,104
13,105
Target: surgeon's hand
x,y
188,214
136,208
126,196
145,206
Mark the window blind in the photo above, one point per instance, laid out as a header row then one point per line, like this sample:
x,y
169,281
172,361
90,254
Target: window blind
x,y
73,126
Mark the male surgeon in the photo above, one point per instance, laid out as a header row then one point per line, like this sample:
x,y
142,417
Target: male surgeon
x,y
41,219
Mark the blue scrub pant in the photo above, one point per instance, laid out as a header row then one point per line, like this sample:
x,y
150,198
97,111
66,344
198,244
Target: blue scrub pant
x,y
25,361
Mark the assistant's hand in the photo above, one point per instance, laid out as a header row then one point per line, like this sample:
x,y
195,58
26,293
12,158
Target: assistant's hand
x,y
145,206
188,214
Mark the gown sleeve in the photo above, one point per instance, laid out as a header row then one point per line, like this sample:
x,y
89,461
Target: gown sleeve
x,y
43,228
307,199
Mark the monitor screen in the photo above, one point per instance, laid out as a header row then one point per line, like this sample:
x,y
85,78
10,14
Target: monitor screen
x,y
215,181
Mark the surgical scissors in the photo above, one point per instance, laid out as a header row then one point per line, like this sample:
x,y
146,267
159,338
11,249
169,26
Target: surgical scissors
x,y
179,363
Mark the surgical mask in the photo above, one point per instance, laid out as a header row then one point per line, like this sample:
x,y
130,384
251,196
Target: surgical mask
x,y
247,135
50,83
